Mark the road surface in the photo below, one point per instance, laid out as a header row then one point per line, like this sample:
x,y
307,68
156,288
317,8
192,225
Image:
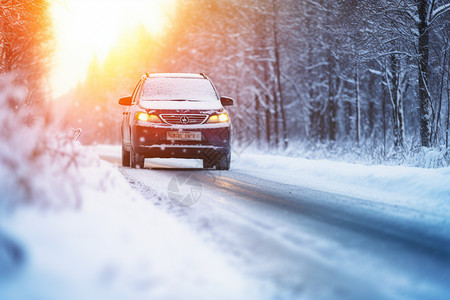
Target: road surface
x,y
304,243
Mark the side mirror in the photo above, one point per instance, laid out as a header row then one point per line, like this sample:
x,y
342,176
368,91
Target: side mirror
x,y
125,101
226,101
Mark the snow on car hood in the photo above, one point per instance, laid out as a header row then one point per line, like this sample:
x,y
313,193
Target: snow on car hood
x,y
195,105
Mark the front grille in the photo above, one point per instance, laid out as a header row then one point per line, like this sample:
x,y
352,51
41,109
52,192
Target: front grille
x,y
184,119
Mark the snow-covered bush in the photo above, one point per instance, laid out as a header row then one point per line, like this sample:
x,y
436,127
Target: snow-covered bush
x,y
367,153
37,164
429,157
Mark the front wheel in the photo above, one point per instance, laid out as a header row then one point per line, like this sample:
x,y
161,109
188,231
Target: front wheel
x,y
136,160
207,163
125,157
224,162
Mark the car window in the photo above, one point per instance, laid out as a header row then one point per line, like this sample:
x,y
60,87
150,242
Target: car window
x,y
191,89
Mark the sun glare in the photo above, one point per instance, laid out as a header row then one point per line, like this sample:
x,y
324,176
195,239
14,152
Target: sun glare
x,y
88,28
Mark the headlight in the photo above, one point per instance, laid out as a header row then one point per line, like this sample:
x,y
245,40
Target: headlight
x,y
223,117
143,116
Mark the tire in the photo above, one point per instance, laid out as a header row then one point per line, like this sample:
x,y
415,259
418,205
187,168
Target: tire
x,y
207,164
136,160
224,162
125,157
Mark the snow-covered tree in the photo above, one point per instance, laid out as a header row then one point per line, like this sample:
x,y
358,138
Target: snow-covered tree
x,y
25,36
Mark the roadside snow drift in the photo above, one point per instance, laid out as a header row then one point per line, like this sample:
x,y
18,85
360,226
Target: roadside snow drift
x,y
424,190
116,245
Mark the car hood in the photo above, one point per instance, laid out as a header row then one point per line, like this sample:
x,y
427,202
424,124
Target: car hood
x,y
185,105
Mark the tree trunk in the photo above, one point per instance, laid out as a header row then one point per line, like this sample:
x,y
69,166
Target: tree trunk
x,y
383,109
393,92
258,122
268,120
424,96
401,124
358,106
448,109
276,108
332,106
348,119
278,73
438,114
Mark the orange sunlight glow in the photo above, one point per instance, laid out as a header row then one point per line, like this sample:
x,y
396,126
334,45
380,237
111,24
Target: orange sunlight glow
x,y
88,28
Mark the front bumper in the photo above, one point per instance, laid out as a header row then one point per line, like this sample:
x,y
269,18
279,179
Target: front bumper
x,y
151,141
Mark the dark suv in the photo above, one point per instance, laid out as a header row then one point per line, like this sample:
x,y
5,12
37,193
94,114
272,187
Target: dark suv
x,y
176,116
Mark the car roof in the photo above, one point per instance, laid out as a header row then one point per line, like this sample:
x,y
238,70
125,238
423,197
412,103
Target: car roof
x,y
176,75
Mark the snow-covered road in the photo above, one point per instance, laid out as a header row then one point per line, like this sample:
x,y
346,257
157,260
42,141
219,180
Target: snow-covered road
x,y
308,243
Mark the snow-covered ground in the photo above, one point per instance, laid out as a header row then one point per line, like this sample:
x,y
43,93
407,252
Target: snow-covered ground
x,y
423,190
118,245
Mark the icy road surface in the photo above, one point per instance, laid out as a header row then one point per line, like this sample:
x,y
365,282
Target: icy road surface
x,y
309,243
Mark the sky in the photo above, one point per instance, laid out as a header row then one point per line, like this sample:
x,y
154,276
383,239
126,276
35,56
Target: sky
x,y
84,28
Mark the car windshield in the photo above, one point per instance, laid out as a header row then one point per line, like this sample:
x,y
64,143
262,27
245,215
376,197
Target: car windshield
x,y
182,89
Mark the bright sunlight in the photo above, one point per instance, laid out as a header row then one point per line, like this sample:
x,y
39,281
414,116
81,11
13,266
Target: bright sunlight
x,y
88,28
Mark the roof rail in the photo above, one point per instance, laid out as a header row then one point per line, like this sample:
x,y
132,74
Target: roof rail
x,y
204,76
147,74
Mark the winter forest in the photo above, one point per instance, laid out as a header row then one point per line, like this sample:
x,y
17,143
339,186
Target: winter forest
x,y
367,78
371,75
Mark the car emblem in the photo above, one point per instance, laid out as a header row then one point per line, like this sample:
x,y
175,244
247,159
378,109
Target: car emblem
x,y
184,120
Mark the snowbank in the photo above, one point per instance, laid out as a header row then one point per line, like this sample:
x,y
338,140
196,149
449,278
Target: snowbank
x,y
115,246
367,152
425,190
